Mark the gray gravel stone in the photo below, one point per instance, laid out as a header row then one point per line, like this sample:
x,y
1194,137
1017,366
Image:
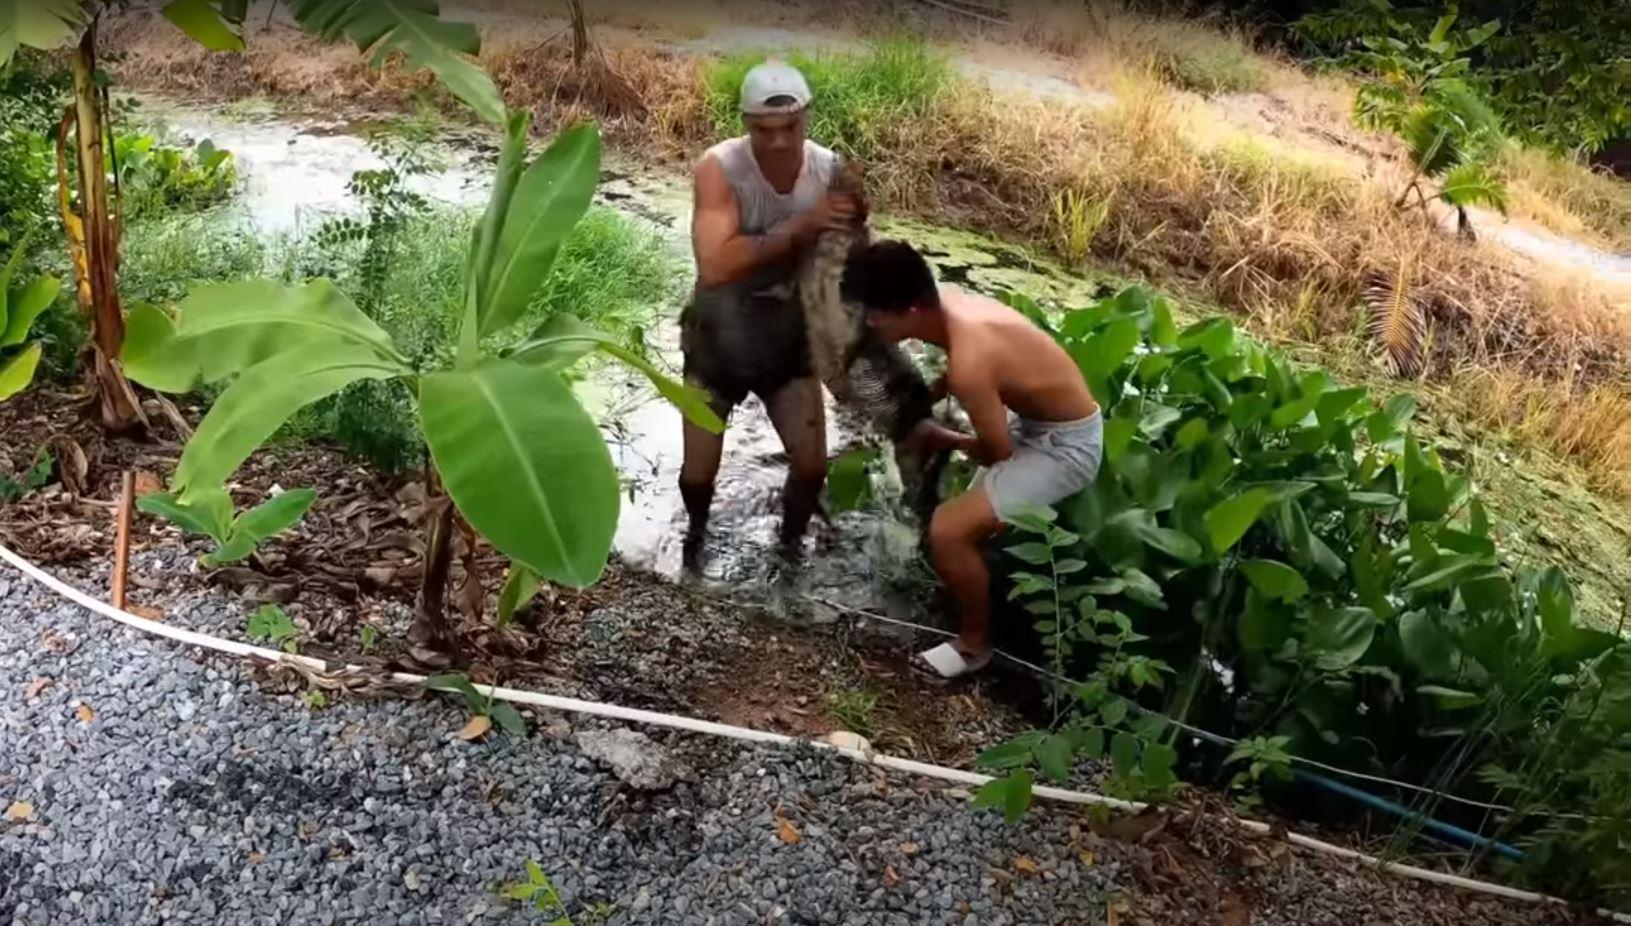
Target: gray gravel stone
x,y
195,795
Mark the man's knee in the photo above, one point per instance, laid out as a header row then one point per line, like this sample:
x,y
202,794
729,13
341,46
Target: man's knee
x,y
808,473
957,525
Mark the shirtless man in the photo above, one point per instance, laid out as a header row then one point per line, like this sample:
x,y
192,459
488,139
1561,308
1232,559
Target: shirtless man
x,y
760,199
997,364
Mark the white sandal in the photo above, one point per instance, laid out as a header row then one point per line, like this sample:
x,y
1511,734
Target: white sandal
x,y
947,661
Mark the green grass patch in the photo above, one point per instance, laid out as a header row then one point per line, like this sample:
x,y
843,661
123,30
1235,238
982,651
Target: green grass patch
x,y
1212,64
860,97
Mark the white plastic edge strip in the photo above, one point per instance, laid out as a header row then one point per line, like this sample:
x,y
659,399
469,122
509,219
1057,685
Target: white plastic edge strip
x,y
863,753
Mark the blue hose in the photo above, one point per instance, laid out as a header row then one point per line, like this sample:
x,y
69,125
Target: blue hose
x,y
1447,830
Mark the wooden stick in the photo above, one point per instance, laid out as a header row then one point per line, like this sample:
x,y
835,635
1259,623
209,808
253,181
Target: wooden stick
x,y
121,539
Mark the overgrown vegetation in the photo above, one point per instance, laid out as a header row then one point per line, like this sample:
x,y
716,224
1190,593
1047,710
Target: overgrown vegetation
x,y
1274,558
1555,71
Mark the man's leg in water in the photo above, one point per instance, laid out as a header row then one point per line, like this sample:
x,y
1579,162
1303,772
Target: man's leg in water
x,y
703,449
801,422
955,534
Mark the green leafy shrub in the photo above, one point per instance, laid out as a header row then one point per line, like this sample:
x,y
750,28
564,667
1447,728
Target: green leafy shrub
x,y
1556,77
156,177
1309,570
33,90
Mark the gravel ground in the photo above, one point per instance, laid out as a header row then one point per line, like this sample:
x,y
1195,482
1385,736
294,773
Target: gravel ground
x,y
165,786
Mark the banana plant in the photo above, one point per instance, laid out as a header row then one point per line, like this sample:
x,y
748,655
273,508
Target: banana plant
x,y
19,307
520,458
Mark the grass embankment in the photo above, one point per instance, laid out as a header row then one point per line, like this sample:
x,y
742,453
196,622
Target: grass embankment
x,y
1150,184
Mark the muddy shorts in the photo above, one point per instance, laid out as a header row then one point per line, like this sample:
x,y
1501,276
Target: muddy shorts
x,y
1052,461
744,338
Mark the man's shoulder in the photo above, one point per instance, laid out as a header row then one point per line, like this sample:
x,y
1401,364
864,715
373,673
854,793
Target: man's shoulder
x,y
720,151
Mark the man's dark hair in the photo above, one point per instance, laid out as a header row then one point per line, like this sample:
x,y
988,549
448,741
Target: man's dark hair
x,y
889,276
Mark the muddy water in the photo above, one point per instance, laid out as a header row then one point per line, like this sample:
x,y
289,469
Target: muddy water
x,y
295,173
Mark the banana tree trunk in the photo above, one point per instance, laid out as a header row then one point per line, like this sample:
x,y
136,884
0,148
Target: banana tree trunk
x,y
116,401
430,622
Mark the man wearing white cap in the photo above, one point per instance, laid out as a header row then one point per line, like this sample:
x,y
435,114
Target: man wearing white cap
x,y
760,199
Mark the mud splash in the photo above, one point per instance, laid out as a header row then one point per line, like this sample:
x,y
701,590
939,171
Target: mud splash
x,y
295,173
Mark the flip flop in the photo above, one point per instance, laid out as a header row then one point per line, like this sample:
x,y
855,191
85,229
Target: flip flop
x,y
948,661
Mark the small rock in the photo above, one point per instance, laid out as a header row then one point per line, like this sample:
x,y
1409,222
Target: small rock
x,y
633,757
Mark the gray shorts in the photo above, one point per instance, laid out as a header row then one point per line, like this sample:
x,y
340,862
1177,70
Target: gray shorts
x,y
1052,461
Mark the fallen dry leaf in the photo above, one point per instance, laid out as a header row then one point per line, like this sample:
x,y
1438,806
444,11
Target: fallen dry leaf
x,y
891,877
255,858
1086,857
85,713
787,831
476,728
908,848
19,811
56,643
36,686
147,611
147,482
1024,865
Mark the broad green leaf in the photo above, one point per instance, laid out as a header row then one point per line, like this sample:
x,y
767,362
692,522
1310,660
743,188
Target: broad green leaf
x,y
1275,580
1334,405
1338,639
1162,331
1449,698
1101,354
1391,419
208,514
238,546
1554,600
848,485
1113,711
150,355
37,24
203,22
507,718
1012,794
1118,434
1016,752
1449,571
1157,763
525,464
1472,184
381,27
1124,754
1193,434
263,397
484,237
18,371
1141,588
1426,645
24,306
1263,628
1229,520
276,514
1214,336
550,197
227,328
1156,419
1091,742
1036,554
1053,756
520,585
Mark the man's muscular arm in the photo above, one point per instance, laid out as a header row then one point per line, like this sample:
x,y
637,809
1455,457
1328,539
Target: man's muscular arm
x,y
725,255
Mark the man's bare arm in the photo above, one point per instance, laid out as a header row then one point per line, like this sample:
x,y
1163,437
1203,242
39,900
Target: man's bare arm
x,y
724,254
976,391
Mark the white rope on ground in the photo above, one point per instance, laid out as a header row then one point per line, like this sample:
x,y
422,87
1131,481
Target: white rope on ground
x,y
861,752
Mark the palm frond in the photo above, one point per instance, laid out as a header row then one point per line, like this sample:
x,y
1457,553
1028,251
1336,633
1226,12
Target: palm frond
x,y
1473,185
411,27
1398,322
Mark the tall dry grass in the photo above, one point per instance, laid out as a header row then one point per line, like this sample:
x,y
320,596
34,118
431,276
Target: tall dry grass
x,y
1567,196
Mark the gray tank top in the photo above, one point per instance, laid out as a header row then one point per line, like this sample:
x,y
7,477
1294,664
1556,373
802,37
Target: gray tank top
x,y
759,207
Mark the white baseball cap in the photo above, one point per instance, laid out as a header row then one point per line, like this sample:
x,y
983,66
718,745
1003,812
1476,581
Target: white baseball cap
x,y
774,80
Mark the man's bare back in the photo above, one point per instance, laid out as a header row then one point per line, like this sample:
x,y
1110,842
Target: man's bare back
x,y
995,353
